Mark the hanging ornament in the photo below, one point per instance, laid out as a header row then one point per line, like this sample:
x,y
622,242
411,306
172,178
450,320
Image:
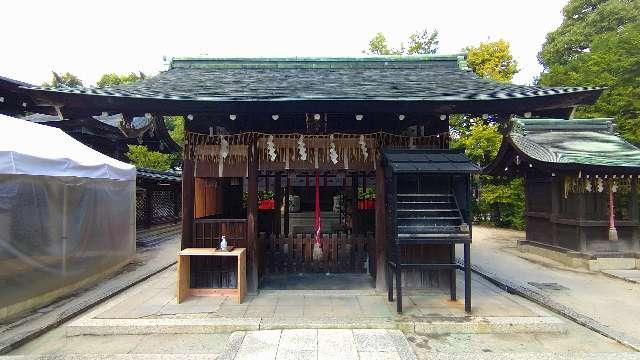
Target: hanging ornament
x,y
302,149
363,147
600,185
271,148
332,150
567,186
614,186
588,186
224,148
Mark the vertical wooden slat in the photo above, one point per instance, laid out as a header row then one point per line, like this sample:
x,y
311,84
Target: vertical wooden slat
x,y
355,212
187,200
277,221
252,221
377,253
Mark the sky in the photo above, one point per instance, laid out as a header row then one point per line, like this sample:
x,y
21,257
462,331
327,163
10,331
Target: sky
x,y
90,38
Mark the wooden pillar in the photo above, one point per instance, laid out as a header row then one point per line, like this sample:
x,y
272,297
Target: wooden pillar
x,y
355,214
277,223
252,218
555,208
187,201
582,239
380,234
634,213
286,206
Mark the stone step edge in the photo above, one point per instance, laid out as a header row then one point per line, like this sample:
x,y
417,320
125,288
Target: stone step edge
x,y
454,325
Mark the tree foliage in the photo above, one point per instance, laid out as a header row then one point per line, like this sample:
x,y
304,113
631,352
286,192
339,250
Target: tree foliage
x,y
501,200
420,42
378,46
65,80
175,126
111,79
492,60
423,42
597,44
142,157
584,20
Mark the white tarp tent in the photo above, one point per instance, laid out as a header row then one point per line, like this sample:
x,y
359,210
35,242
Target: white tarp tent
x,y
67,214
27,148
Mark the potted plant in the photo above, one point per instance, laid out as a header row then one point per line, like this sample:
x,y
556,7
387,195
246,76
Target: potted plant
x,y
266,200
367,198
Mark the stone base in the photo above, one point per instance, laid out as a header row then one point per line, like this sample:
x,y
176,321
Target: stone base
x,y
588,261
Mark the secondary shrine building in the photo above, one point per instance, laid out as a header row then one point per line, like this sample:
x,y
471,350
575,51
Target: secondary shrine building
x,y
348,155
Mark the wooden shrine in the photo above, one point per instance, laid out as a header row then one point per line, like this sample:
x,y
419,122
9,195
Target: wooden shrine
x,y
581,185
284,156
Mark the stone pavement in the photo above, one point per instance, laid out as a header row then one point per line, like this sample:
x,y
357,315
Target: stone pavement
x,y
329,344
609,304
147,262
151,308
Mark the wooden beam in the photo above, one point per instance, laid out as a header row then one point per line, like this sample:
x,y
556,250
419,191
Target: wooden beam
x,y
580,233
380,235
355,213
252,218
187,201
277,218
555,207
286,206
635,234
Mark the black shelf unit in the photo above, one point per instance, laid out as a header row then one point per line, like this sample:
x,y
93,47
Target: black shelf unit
x,y
429,202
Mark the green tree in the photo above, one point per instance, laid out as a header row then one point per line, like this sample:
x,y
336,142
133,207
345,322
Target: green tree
x,y
501,200
597,44
111,79
423,42
492,60
583,21
65,80
175,126
141,156
378,46
420,42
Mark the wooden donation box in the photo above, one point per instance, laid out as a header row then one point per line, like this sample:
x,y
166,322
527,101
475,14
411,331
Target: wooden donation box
x,y
184,274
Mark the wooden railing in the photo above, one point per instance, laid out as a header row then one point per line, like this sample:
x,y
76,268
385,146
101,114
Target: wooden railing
x,y
340,253
207,232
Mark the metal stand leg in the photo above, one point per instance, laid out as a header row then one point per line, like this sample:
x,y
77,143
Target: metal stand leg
x,y
398,280
389,279
467,277
452,277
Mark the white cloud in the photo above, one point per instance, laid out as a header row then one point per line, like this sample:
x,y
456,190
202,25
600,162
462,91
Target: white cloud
x,y
89,38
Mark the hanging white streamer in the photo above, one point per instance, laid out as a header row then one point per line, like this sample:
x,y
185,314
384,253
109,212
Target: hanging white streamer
x,y
302,149
271,148
332,150
363,147
224,148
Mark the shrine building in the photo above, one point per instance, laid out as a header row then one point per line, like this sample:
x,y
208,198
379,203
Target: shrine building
x,y
324,165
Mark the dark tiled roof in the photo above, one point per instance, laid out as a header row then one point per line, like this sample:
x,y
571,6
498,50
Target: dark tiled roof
x,y
438,78
584,144
587,142
421,161
159,175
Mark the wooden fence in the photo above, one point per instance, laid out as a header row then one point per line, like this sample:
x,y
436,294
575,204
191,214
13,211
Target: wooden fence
x,y
340,253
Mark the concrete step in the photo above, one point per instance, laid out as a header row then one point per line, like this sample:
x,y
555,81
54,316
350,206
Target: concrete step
x,y
426,325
